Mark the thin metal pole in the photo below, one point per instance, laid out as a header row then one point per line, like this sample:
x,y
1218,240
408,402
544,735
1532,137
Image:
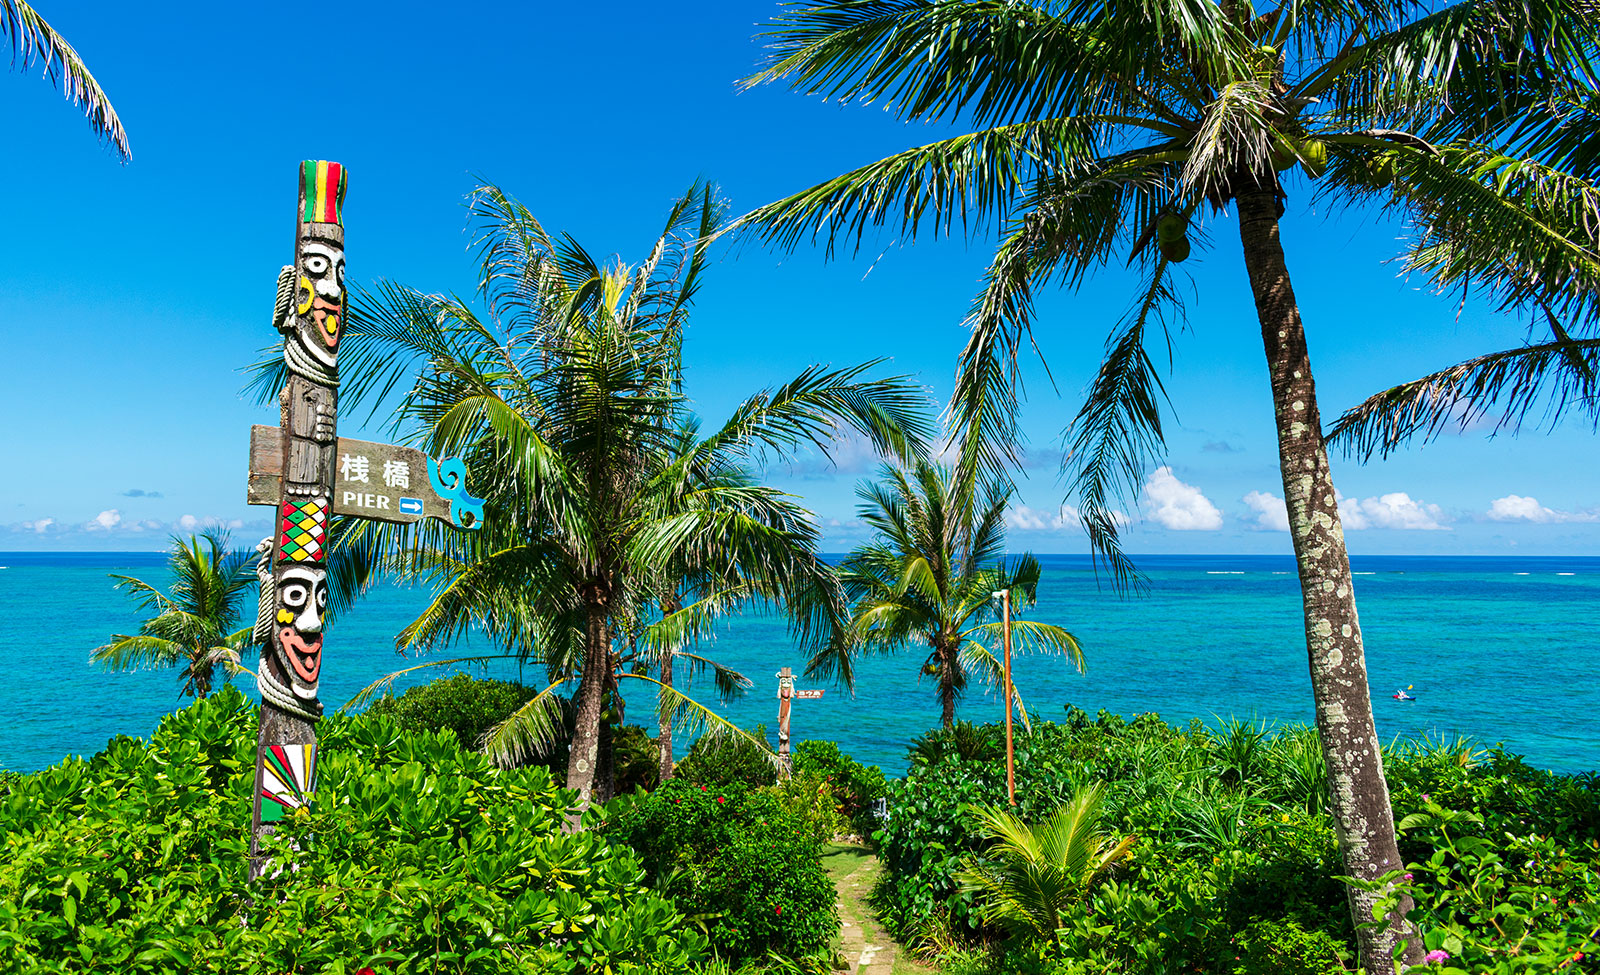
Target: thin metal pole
x,y
1005,627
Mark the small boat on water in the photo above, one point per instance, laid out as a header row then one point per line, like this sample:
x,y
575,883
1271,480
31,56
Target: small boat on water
x,y
1404,696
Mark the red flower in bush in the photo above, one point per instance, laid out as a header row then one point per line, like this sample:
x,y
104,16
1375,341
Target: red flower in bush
x,y
779,909
720,799
366,971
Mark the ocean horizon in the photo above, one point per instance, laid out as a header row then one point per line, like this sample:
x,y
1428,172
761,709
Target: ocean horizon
x,y
1498,649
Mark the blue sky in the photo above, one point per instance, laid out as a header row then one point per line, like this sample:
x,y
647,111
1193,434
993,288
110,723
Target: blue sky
x,y
134,295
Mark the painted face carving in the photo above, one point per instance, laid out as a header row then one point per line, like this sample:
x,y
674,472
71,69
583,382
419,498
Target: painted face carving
x,y
302,600
319,296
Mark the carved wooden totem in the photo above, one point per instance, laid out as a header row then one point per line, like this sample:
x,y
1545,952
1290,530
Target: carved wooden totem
x,y
293,562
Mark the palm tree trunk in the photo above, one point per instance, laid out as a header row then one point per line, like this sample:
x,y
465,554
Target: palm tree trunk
x,y
584,757
947,687
664,734
1363,817
605,777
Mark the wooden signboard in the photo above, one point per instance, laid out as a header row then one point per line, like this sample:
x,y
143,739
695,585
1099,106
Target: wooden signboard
x,y
379,481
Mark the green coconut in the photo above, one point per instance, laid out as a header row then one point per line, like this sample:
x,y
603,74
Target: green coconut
x,y
1171,227
1176,251
931,670
1313,157
1382,167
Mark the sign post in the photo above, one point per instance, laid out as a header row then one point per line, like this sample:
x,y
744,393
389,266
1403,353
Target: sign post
x,y
787,693
1004,596
307,473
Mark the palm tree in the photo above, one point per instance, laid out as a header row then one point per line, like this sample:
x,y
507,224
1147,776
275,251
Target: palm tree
x,y
1034,876
929,577
34,40
566,402
1107,126
193,625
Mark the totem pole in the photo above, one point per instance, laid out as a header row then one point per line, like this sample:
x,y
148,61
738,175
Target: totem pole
x,y
787,692
293,563
308,473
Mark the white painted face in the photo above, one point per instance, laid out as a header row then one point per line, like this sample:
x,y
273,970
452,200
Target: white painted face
x,y
302,600
323,263
320,297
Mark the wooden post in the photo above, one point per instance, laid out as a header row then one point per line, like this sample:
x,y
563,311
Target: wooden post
x,y
292,568
785,698
1005,629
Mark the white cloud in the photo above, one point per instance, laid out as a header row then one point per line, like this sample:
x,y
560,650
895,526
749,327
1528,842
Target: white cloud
x,y
1514,507
1395,511
105,520
1026,519
1180,506
41,526
1271,514
188,523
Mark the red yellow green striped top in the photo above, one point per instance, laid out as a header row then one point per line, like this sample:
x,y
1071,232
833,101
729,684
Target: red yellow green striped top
x,y
323,184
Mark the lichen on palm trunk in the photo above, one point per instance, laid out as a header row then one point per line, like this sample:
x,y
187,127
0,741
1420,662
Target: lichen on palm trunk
x,y
1361,811
585,754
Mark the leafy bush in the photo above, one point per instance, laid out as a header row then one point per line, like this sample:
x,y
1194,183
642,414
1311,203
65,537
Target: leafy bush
x,y
736,858
1236,869
718,762
856,787
419,857
465,705
636,759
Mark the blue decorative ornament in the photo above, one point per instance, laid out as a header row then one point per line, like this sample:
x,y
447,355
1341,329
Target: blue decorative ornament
x,y
449,477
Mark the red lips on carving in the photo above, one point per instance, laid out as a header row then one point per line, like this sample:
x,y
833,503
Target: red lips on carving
x,y
322,310
305,655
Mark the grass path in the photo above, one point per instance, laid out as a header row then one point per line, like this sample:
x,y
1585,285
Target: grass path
x,y
865,945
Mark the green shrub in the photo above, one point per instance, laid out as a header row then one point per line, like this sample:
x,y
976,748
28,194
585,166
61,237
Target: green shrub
x,y
1221,844
1498,902
637,762
1236,869
810,800
722,761
465,705
856,786
737,858
419,857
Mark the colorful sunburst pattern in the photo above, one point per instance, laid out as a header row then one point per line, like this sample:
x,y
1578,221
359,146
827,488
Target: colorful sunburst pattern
x,y
288,777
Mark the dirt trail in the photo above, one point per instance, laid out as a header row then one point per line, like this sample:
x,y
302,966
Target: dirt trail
x,y
863,942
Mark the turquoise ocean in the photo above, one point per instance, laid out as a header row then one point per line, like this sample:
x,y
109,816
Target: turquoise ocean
x,y
1502,650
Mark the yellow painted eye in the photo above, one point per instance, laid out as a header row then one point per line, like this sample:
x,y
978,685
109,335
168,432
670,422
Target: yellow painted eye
x,y
307,293
284,616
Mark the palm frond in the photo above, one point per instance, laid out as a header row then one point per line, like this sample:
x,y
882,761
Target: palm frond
x,y
528,732
34,41
1560,373
1117,432
963,180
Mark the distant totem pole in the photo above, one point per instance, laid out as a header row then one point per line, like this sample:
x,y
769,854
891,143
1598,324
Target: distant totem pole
x,y
293,563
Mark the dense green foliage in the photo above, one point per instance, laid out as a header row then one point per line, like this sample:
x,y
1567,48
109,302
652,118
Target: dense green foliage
x,y
1234,866
740,859
419,857
855,786
718,761
465,705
